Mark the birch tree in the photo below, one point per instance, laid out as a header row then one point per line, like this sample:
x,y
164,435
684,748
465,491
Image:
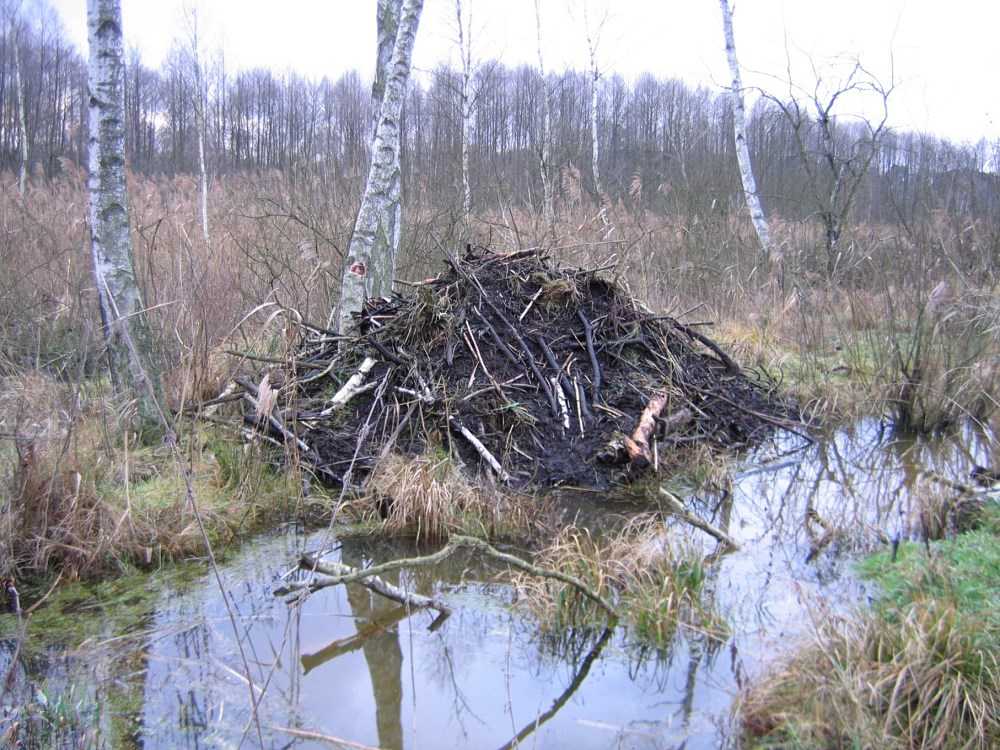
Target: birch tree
x,y
593,39
465,52
370,265
544,154
200,105
22,126
739,131
125,327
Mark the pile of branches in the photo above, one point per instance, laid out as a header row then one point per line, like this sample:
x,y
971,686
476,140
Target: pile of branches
x,y
537,374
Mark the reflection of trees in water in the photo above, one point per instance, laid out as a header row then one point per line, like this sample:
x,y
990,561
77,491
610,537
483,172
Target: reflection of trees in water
x,y
862,479
382,653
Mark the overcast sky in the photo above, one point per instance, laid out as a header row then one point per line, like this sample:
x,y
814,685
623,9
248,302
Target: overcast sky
x,y
943,53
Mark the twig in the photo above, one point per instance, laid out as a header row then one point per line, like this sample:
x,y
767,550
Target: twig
x,y
588,332
351,388
531,303
481,450
678,510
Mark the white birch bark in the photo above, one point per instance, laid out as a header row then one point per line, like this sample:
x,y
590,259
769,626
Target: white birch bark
x,y
22,126
200,121
739,132
544,163
465,51
595,150
126,331
370,265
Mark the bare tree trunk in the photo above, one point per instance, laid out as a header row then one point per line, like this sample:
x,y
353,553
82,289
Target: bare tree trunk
x,y
370,265
201,97
126,330
22,126
739,131
465,51
544,158
595,150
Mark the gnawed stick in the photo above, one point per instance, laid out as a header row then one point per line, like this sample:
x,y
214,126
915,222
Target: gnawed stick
x,y
481,449
726,360
351,388
637,445
678,509
456,543
563,380
563,403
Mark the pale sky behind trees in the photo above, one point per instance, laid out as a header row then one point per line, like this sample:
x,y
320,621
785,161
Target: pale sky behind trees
x,y
944,54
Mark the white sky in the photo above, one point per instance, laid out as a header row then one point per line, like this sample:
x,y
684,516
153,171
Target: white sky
x,y
944,53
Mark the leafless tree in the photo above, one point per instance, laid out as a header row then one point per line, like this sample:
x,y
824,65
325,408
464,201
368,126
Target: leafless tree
x,y
14,25
593,37
464,28
836,161
200,101
545,153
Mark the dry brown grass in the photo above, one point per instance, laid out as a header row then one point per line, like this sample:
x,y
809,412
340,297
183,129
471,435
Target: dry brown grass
x,y
655,582
925,681
428,498
82,497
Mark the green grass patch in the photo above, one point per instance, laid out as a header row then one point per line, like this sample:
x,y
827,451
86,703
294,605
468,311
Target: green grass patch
x,y
919,669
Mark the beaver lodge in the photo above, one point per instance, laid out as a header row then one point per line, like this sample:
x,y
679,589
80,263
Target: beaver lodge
x,y
539,375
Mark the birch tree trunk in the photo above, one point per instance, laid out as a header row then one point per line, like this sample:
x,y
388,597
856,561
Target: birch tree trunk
x,y
465,51
201,97
22,126
370,265
125,328
739,131
595,149
544,163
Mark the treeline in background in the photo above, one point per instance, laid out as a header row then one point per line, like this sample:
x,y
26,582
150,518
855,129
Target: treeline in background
x,y
287,156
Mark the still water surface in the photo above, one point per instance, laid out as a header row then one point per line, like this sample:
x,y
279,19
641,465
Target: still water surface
x,y
353,666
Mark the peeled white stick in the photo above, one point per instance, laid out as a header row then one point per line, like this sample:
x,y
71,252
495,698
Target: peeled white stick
x,y
481,450
351,388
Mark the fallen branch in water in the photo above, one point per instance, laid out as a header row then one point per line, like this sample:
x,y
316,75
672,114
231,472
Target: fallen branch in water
x,y
334,572
685,515
456,543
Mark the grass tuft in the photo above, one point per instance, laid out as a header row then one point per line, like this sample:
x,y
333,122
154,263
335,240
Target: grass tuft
x,y
655,584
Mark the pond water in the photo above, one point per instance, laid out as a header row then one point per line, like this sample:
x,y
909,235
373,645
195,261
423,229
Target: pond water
x,y
348,665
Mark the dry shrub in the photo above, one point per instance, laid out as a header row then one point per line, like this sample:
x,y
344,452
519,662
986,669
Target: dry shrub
x,y
428,498
926,680
654,583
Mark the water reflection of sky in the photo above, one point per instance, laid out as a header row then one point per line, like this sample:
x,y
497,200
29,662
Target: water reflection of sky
x,y
349,665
